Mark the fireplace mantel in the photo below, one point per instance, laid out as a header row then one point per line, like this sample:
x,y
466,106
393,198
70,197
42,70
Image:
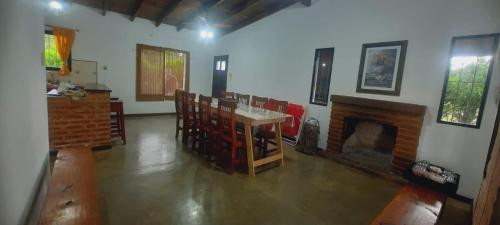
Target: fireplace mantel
x,y
380,104
408,119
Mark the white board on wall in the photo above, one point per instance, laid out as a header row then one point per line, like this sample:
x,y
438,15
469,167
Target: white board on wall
x,y
82,72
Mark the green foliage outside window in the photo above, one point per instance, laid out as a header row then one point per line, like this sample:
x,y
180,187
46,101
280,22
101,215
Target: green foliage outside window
x,y
465,89
52,59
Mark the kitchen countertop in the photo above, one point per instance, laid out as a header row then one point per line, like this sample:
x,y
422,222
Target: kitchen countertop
x,y
96,87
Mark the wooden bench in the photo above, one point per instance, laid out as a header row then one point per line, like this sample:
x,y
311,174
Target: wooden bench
x,y
412,205
72,196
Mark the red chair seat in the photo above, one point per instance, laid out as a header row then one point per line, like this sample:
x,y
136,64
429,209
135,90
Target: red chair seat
x,y
211,130
240,140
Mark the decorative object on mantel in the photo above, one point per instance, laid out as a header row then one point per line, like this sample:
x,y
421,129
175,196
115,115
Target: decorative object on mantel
x,y
381,68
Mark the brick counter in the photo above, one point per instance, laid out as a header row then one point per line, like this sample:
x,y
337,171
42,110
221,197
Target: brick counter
x,y
80,122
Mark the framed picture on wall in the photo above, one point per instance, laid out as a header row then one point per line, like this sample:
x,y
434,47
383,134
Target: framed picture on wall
x,y
381,68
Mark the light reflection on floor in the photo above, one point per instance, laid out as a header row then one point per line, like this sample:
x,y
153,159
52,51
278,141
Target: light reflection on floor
x,y
154,179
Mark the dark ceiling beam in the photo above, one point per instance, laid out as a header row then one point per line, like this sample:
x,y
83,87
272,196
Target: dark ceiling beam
x,y
135,10
205,6
167,10
269,11
305,2
237,9
104,7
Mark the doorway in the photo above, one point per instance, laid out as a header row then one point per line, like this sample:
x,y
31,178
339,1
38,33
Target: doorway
x,y
219,80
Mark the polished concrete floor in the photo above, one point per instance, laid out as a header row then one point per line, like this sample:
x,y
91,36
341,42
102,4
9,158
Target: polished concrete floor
x,y
154,179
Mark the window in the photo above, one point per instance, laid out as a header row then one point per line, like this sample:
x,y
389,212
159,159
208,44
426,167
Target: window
x,y
467,80
220,65
160,71
52,60
320,86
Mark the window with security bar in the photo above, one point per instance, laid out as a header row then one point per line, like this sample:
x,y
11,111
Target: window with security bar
x,y
160,71
467,80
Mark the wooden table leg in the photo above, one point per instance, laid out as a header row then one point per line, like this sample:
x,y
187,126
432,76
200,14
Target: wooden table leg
x,y
249,141
279,144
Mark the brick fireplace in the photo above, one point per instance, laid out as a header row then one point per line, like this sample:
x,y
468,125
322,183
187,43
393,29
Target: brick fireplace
x,y
407,118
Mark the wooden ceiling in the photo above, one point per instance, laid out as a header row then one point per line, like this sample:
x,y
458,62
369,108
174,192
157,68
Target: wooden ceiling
x,y
225,16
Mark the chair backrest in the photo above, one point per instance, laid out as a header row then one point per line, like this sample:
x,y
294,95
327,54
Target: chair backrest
x,y
189,107
179,96
205,111
277,105
243,99
259,102
227,117
227,94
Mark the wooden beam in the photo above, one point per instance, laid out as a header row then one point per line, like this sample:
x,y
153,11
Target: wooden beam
x,y
237,9
104,7
269,11
135,10
205,6
167,10
305,2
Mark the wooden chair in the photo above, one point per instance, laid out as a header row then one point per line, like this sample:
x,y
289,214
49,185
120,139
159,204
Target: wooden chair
x,y
243,99
231,148
259,102
118,126
207,129
277,105
179,95
226,94
265,133
190,121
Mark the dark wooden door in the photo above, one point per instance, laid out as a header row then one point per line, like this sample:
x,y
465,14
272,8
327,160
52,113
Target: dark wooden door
x,y
219,80
484,211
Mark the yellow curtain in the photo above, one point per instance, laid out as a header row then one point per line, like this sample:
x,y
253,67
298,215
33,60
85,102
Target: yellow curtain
x,y
64,42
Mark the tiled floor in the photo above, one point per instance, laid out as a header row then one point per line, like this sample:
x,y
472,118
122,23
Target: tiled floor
x,y
154,179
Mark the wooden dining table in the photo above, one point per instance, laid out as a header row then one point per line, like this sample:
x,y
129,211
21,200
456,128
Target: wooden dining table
x,y
254,116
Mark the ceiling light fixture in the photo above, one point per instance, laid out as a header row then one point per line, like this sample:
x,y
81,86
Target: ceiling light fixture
x,y
206,34
55,5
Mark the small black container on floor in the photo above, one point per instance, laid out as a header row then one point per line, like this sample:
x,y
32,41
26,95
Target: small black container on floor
x,y
447,188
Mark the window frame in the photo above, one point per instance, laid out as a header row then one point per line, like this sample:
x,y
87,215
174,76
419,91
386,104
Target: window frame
x,y
55,68
486,83
314,75
142,98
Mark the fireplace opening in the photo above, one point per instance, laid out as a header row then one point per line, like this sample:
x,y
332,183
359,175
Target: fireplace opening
x,y
368,144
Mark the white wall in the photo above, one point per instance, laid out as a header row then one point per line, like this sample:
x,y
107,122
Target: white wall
x,y
274,57
23,107
111,41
